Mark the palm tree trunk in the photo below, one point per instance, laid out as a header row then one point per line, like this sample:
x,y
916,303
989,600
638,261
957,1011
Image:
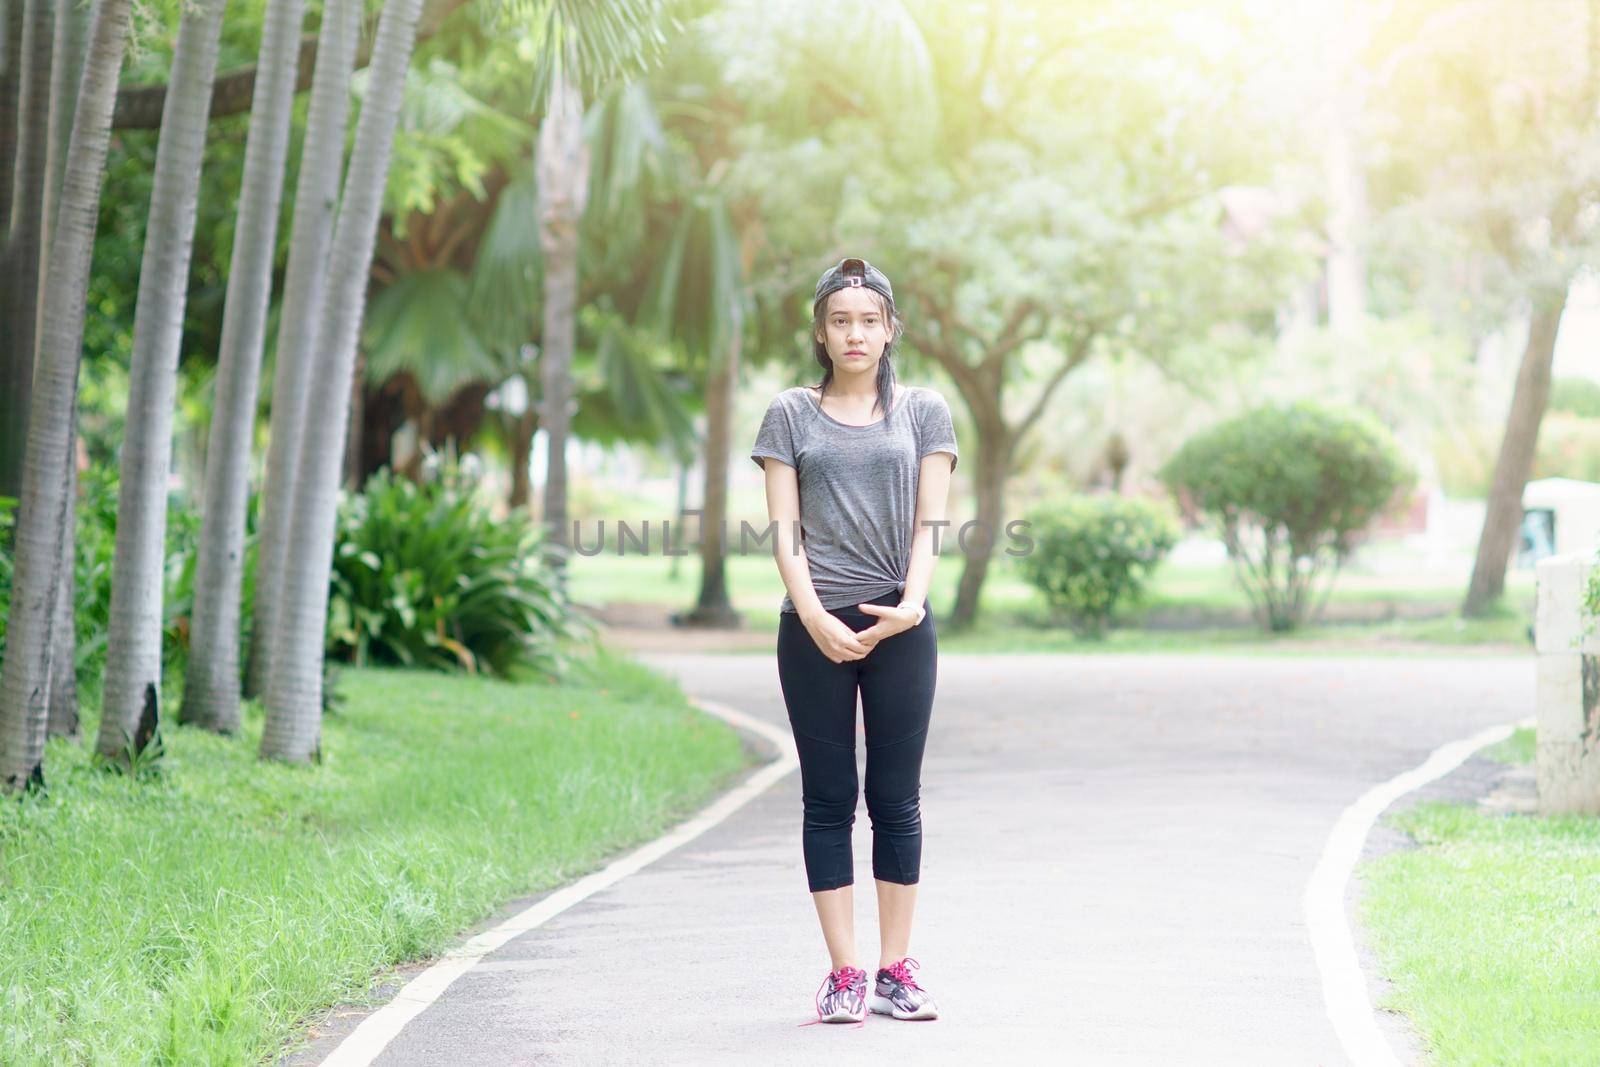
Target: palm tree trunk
x,y
66,70
352,437
316,201
11,15
294,688
19,267
1529,399
713,607
45,504
62,689
523,427
563,178
211,689
133,639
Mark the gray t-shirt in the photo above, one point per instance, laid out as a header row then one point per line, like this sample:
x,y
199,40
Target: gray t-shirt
x,y
858,486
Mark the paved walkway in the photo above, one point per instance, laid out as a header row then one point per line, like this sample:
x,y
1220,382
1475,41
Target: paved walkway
x,y
1116,849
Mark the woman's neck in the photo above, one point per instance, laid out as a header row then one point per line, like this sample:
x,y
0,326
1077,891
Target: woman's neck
x,y
854,386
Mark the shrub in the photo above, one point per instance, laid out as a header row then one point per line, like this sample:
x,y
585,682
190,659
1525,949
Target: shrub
x,y
1093,554
1289,487
1575,396
95,545
423,576
1569,447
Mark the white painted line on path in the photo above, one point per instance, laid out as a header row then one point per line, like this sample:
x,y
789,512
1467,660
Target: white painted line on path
x,y
1344,988
366,1041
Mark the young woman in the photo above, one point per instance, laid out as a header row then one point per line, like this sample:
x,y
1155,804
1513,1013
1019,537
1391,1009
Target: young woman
x,y
856,498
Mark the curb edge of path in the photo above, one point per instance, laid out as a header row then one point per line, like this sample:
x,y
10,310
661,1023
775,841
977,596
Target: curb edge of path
x,y
375,1032
1344,984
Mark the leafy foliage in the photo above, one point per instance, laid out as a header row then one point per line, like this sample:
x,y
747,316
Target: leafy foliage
x,y
1576,396
1290,487
96,538
1093,554
424,576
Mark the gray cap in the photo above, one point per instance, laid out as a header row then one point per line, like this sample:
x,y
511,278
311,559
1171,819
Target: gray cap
x,y
849,272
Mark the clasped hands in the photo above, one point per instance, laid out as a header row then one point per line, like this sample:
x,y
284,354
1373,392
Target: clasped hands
x,y
841,644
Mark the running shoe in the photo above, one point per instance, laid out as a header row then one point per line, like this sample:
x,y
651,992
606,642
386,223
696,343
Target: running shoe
x,y
842,997
897,994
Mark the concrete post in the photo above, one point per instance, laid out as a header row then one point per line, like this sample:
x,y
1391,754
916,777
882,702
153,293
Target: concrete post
x,y
1568,746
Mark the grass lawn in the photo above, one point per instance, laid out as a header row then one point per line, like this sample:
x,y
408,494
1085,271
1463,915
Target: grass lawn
x,y
1490,931
753,578
201,914
1194,600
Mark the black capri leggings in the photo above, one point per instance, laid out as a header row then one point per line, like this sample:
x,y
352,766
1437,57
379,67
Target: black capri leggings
x,y
896,682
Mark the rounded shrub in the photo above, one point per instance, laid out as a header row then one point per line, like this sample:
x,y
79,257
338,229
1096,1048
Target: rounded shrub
x,y
1289,487
1093,554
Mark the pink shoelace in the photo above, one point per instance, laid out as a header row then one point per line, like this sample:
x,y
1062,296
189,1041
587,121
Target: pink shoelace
x,y
835,981
902,973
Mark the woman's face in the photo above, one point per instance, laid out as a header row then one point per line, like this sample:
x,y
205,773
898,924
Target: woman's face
x,y
854,329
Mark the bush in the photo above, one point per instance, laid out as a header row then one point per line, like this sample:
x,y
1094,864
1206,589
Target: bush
x,y
1575,396
1569,447
423,576
1289,487
95,544
1094,554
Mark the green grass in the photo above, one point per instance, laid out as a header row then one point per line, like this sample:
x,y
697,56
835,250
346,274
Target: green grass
x,y
1518,748
1490,932
201,915
754,579
1013,618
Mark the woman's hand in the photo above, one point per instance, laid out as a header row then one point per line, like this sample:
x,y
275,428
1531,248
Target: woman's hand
x,y
891,620
837,641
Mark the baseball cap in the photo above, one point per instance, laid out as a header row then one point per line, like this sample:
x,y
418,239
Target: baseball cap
x,y
851,272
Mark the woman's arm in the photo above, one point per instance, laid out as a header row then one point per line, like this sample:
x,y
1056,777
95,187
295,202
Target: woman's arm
x,y
933,495
837,641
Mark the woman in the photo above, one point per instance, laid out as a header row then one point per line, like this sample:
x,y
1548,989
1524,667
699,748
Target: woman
x,y
856,495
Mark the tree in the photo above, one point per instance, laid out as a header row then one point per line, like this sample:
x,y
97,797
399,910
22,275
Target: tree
x,y
211,689
19,253
130,710
577,39
1514,463
563,178
294,687
234,91
45,505
1021,243
1486,131
66,72
315,202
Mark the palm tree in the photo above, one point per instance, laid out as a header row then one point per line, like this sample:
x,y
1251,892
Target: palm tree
x,y
133,641
211,689
590,40
294,686
13,409
700,301
19,264
66,71
45,505
11,12
563,177
315,201
587,49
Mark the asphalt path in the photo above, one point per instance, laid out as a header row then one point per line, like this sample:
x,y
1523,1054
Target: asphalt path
x,y
1115,853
